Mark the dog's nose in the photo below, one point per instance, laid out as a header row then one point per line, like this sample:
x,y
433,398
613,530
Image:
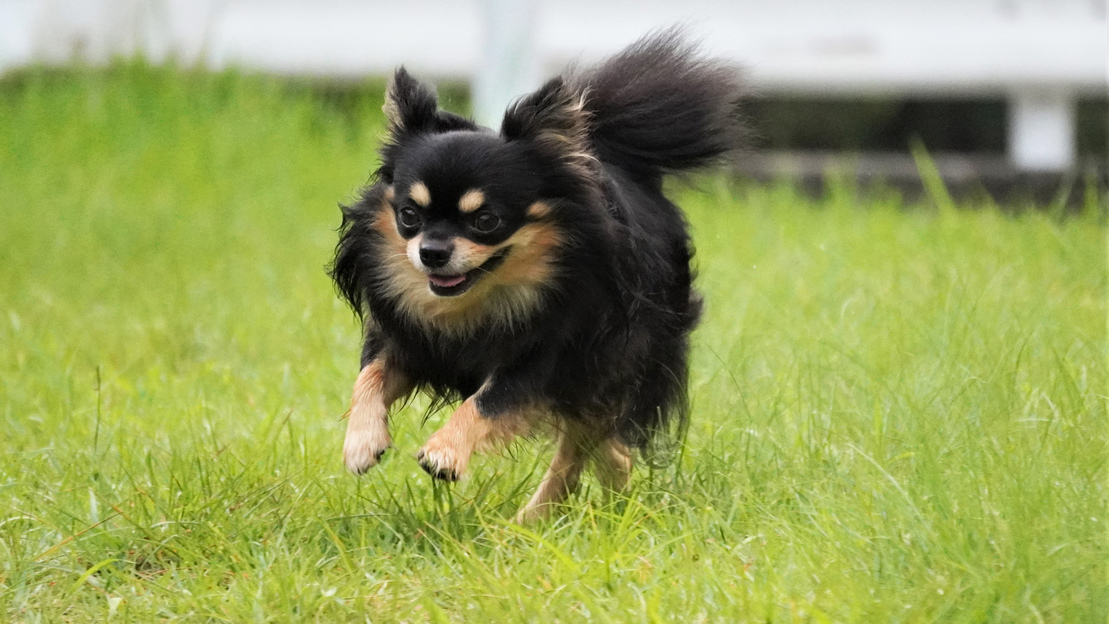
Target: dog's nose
x,y
434,253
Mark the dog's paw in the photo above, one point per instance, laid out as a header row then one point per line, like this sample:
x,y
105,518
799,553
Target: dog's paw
x,y
529,514
363,448
442,461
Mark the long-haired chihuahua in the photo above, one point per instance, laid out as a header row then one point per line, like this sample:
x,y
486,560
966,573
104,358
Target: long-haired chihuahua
x,y
537,274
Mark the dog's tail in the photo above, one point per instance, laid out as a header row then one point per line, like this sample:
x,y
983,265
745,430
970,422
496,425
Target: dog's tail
x,y
659,107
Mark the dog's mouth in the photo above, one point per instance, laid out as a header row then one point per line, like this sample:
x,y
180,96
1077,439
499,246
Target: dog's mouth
x,y
452,285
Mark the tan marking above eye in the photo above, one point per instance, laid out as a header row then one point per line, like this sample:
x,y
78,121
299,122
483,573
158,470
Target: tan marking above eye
x,y
538,210
419,194
471,200
389,194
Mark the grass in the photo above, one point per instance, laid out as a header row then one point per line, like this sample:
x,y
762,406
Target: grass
x,y
899,412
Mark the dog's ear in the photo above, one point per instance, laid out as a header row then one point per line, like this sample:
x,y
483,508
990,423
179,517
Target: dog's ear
x,y
555,116
410,106
413,108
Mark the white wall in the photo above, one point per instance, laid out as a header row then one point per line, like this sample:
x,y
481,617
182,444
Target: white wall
x,y
1046,50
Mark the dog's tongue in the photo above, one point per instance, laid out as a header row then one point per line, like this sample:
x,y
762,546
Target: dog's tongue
x,y
446,281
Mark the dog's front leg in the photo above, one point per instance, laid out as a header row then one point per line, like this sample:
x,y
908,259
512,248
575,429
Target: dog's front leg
x,y
447,453
377,387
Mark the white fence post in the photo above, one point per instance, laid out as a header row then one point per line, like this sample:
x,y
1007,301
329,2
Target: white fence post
x,y
508,66
1042,130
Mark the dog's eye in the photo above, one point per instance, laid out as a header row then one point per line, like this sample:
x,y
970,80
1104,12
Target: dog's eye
x,y
486,222
409,218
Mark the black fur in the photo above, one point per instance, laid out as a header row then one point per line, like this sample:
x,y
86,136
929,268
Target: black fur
x,y
608,339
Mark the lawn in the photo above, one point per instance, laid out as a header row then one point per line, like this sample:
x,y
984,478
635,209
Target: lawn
x,y
899,408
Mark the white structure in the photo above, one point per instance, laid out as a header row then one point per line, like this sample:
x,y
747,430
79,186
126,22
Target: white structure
x,y
1041,54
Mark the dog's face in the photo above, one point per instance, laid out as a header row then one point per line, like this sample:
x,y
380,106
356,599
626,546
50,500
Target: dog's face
x,y
466,204
468,217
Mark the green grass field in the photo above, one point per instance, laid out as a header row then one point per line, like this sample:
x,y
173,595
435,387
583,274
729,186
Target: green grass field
x,y
899,409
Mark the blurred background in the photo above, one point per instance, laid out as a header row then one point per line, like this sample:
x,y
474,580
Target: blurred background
x,y
1003,94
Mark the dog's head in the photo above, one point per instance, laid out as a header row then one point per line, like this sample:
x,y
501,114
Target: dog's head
x,y
470,217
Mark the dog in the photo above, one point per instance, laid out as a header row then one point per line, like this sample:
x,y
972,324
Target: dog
x,y
537,274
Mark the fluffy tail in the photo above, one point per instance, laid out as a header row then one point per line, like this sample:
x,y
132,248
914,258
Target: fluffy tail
x,y
658,107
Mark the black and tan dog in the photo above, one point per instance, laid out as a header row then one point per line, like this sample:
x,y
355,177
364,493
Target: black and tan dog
x,y
538,274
